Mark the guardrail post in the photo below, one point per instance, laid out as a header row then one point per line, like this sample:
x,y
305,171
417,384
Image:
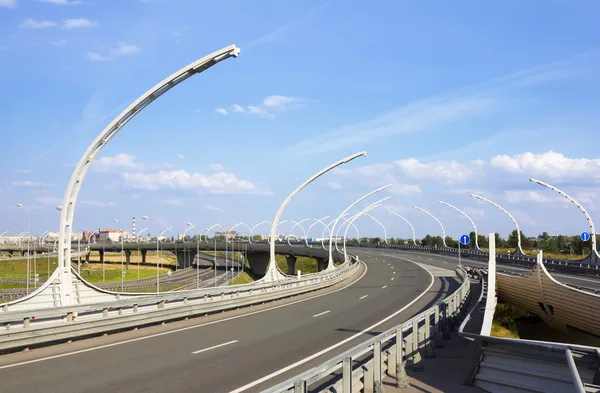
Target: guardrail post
x,y
368,377
445,328
437,325
105,312
347,375
401,377
428,338
377,366
185,301
26,322
135,308
300,386
416,350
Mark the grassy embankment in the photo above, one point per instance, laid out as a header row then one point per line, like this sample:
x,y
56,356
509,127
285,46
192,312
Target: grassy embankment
x,y
305,264
505,317
91,272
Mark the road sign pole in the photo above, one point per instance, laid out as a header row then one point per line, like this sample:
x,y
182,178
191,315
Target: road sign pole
x,y
459,264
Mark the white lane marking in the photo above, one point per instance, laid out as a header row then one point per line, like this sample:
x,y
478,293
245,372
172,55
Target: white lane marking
x,y
321,313
362,297
392,278
445,262
430,259
215,347
178,330
394,272
384,287
331,348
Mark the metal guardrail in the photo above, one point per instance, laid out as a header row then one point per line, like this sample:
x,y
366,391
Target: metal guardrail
x,y
362,367
33,327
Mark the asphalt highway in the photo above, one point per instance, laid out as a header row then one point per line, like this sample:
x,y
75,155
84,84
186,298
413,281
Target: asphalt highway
x,y
246,350
450,262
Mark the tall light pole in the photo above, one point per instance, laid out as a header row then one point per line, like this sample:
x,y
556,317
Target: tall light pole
x,y
356,216
519,248
581,209
215,241
349,222
380,224
257,225
296,224
414,235
20,205
137,240
438,221
317,220
122,247
190,225
244,225
157,253
59,208
468,218
330,266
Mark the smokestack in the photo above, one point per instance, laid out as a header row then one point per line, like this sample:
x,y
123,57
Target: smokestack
x,y
133,232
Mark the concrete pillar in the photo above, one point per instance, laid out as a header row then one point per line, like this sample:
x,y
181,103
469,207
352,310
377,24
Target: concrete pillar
x,y
259,261
321,264
144,252
183,258
87,257
22,253
101,252
127,257
291,263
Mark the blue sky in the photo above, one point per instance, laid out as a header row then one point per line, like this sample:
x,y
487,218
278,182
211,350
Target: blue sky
x,y
447,98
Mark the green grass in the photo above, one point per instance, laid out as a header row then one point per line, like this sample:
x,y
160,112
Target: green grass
x,y
18,268
305,264
242,278
12,286
534,253
504,324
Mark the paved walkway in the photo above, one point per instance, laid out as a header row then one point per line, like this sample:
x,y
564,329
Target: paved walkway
x,y
449,370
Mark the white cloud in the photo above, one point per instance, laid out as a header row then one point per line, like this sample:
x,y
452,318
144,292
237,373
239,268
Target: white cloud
x,y
59,42
93,56
549,165
514,196
180,156
126,49
217,167
177,34
174,202
334,185
116,163
31,184
77,23
49,201
251,110
97,203
37,24
217,183
212,208
221,111
475,214
279,101
449,172
405,189
394,208
23,171
61,2
8,3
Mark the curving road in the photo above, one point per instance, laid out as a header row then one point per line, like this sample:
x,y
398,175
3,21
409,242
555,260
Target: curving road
x,y
241,351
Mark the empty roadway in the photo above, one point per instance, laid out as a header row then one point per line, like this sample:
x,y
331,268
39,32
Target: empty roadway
x,y
228,354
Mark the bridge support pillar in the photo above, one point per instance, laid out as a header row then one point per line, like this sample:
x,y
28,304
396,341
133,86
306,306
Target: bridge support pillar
x,y
10,253
291,264
101,253
259,261
185,258
321,264
22,253
144,253
127,257
87,257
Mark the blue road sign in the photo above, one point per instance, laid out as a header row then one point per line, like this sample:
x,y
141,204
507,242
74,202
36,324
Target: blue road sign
x,y
465,239
585,236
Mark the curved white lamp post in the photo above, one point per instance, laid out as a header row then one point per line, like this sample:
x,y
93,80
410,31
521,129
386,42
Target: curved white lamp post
x,y
468,218
330,266
221,228
296,224
381,225
438,221
519,248
273,273
137,240
244,225
257,225
157,252
190,226
348,222
414,237
82,167
581,209
317,220
356,216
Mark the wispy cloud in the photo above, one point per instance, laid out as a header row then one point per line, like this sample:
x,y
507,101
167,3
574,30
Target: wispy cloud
x,y
8,3
174,202
269,107
67,24
59,42
31,184
221,111
97,203
23,171
78,23
93,56
49,201
334,185
122,49
116,163
550,165
217,167
37,24
437,112
180,156
212,208
61,2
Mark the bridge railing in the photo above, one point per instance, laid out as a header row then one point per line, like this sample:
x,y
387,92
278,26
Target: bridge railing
x,y
362,367
24,328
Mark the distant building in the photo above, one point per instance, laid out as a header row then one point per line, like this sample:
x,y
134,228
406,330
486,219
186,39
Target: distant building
x,y
228,235
112,235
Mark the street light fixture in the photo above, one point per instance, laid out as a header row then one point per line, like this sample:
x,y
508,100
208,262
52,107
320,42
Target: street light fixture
x,y
20,205
381,225
157,253
519,248
296,224
438,221
122,250
190,225
364,211
468,218
408,222
347,221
